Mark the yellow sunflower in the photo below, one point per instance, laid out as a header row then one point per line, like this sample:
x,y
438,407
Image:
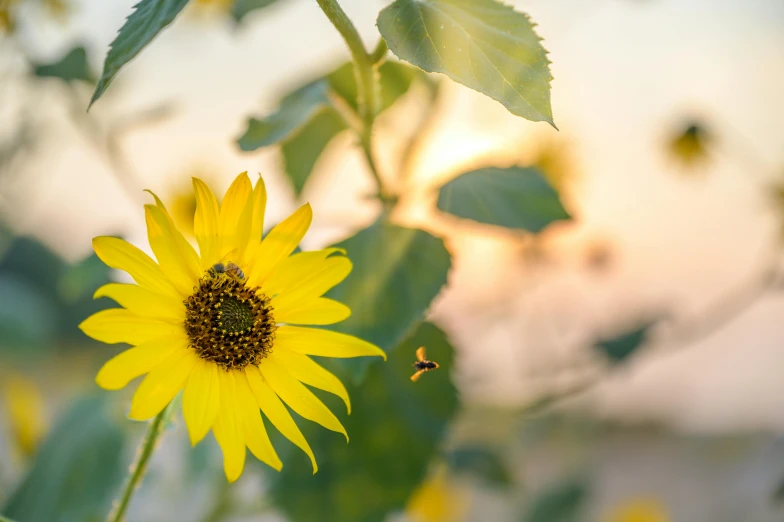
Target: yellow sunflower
x,y
226,324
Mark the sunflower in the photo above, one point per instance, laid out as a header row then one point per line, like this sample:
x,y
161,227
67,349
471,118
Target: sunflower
x,y
230,325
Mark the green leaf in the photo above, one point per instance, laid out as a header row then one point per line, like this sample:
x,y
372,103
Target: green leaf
x,y
32,261
306,119
80,280
397,273
561,503
3,519
394,79
481,463
514,197
302,150
28,317
72,66
622,346
242,8
295,110
482,44
75,290
77,471
395,427
142,26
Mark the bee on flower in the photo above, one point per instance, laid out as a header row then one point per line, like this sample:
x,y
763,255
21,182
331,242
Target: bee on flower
x,y
238,341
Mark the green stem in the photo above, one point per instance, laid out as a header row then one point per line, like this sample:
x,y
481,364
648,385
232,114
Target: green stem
x,y
379,52
139,467
367,86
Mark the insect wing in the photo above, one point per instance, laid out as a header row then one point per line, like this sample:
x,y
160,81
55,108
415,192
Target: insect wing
x,y
417,375
420,354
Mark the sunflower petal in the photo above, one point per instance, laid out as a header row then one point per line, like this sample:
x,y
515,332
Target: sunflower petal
x,y
332,271
324,343
176,256
206,223
276,412
279,243
143,302
313,311
253,427
201,400
259,207
235,217
118,371
298,397
228,428
118,325
118,253
307,371
162,384
295,267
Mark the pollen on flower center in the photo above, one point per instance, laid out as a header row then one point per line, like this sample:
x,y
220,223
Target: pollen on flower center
x,y
229,323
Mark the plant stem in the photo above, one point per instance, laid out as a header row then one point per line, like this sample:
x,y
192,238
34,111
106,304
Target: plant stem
x,y
367,86
379,52
139,467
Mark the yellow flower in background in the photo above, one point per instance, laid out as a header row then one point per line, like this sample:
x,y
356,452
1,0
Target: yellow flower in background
x,y
690,146
640,510
59,10
183,211
222,4
25,407
226,324
7,20
436,500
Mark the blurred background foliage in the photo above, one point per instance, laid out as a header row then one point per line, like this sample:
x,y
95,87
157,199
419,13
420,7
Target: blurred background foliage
x,y
432,451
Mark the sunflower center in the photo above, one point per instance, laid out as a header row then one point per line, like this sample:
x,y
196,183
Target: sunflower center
x,y
229,323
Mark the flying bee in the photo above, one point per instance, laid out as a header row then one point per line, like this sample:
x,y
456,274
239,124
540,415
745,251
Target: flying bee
x,y
422,365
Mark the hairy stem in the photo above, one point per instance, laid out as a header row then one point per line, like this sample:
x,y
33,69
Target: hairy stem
x,y
139,467
367,86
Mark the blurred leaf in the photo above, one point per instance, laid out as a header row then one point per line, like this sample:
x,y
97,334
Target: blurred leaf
x,y
397,273
2,518
481,463
142,26
242,8
395,427
73,66
561,503
77,471
42,298
306,119
514,197
294,111
76,289
394,78
624,345
81,280
302,150
28,317
32,261
482,44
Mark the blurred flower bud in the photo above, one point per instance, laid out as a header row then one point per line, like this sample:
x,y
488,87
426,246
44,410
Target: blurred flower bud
x,y
690,145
